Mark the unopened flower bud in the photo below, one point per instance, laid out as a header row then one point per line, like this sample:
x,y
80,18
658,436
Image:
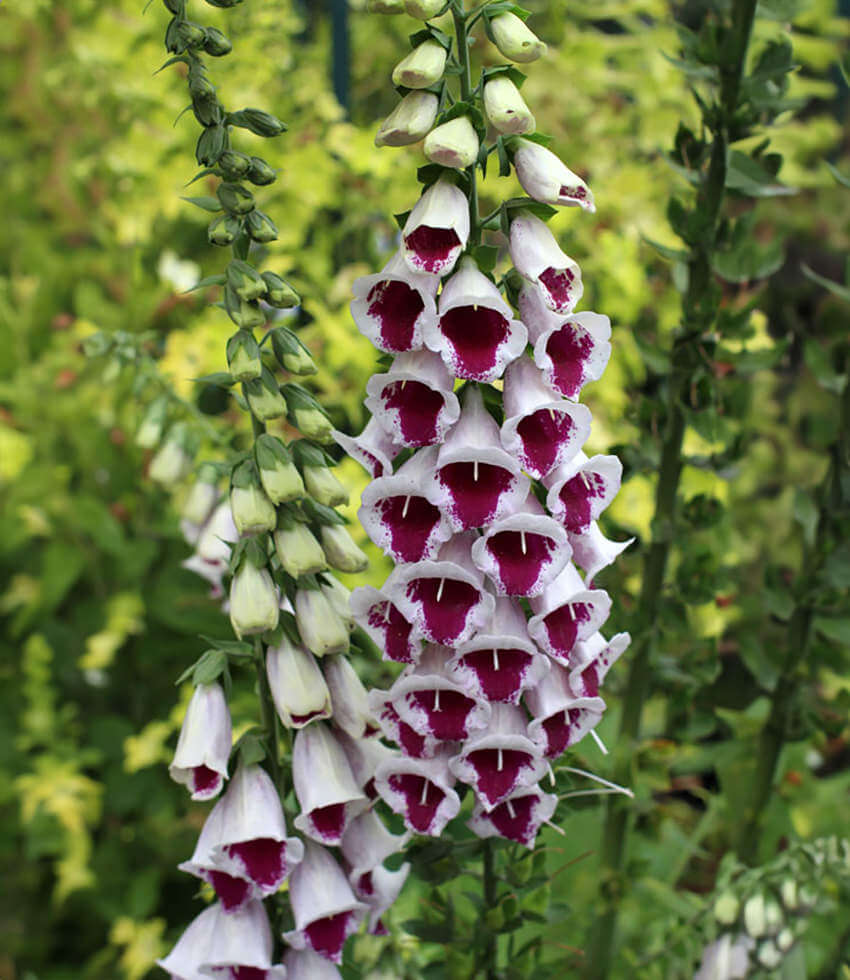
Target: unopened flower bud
x,y
260,227
297,686
254,600
385,6
341,551
189,35
243,356
514,39
278,474
768,955
244,314
171,463
234,164
202,497
453,144
410,121
216,43
200,760
235,198
211,144
424,9
279,293
726,908
323,486
788,892
253,512
306,414
223,230
291,354
264,397
298,550
322,630
506,108
422,67
153,424
546,178
755,919
258,121
340,599
261,173
244,280
785,940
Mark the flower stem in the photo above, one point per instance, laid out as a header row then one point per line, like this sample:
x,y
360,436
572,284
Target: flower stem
x,y
462,46
268,715
490,900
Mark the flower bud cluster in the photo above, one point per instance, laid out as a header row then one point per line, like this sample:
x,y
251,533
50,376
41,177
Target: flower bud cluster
x,y
481,493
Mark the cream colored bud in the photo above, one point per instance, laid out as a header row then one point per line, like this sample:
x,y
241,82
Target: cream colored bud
x,y
313,424
385,6
422,67
410,121
321,628
253,512
424,9
341,551
506,108
298,550
254,602
514,39
453,144
170,464
324,487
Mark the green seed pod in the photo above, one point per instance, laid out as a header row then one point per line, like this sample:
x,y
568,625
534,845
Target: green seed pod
x,y
235,198
243,356
234,164
224,230
189,35
211,144
280,293
244,314
216,43
245,281
261,173
260,227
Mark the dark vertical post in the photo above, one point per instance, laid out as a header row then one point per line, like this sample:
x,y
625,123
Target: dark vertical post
x,y
340,53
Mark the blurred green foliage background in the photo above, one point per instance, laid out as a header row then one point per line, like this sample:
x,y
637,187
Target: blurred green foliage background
x,y
97,618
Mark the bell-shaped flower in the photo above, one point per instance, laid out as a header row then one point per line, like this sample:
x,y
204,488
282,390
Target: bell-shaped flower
x,y
325,909
581,489
541,430
254,599
321,627
453,144
522,552
225,945
514,40
546,178
400,513
304,964
478,480
518,818
341,551
436,230
506,108
435,702
500,661
373,449
501,760
566,612
420,790
297,684
217,536
422,67
170,464
253,512
727,958
392,307
201,499
212,572
476,334
444,599
278,474
592,659
297,549
366,844
351,711
243,850
414,400
379,889
412,743
410,121
324,784
203,748
561,717
537,255
592,551
570,351
385,624
364,756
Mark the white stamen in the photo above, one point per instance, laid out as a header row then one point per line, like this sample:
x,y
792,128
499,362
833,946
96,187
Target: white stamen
x,y
584,479
551,414
555,827
551,773
403,384
615,787
437,699
510,808
572,612
406,505
424,797
499,761
440,589
474,307
387,613
475,470
522,541
598,741
495,659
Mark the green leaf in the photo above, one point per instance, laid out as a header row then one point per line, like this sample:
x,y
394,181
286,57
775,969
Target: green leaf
x,y
209,667
237,648
747,176
837,174
836,567
217,280
834,628
843,292
486,256
221,379
671,254
211,204
806,514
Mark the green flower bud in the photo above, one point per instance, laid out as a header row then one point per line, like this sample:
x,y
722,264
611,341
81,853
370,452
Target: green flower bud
x,y
785,940
298,550
245,315
321,484
234,164
341,551
207,111
264,397
261,173
410,121
254,601
768,955
320,625
153,424
200,87
424,9
187,35
243,356
278,474
170,464
506,108
385,6
211,144
216,43
755,921
260,227
291,354
235,198
788,893
224,230
514,39
339,598
253,512
453,144
202,497
422,67
726,908
244,280
306,414
257,121
280,293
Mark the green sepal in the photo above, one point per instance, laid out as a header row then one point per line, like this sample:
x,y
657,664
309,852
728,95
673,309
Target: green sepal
x,y
210,204
269,450
235,198
306,453
317,513
430,33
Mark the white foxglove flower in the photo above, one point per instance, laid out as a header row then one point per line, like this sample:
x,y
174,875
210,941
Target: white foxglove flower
x,y
561,717
541,430
188,955
410,121
373,449
203,748
170,464
392,307
436,230
386,625
364,756
476,334
254,600
414,400
571,350
581,489
201,499
591,660
325,909
727,958
414,745
592,551
217,536
320,625
327,792
506,108
546,178
297,685
297,549
351,712
515,41
453,144
566,612
420,790
422,67
517,818
304,964
366,845
341,551
537,255
424,9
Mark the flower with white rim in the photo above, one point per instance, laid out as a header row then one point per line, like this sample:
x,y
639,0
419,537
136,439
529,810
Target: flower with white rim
x,y
203,748
365,846
386,625
436,230
351,712
578,491
591,660
592,551
297,685
546,178
324,785
373,449
340,549
413,744
506,108
321,627
304,964
542,431
410,121
514,40
561,718
566,612
453,144
414,401
421,791
364,756
517,818
422,67
536,255
392,307
571,350
476,333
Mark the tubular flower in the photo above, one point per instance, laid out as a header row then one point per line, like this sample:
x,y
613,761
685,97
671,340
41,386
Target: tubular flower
x,y
410,121
547,179
373,449
436,230
297,686
200,761
537,256
506,108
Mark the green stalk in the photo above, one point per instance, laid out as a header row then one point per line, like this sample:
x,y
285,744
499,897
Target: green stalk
x,y
268,714
698,313
462,46
490,884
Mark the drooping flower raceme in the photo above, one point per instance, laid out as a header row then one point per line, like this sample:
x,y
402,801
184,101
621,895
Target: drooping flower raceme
x,y
482,494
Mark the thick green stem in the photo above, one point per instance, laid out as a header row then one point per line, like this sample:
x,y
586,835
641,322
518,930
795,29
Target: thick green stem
x,y
490,885
462,47
698,314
